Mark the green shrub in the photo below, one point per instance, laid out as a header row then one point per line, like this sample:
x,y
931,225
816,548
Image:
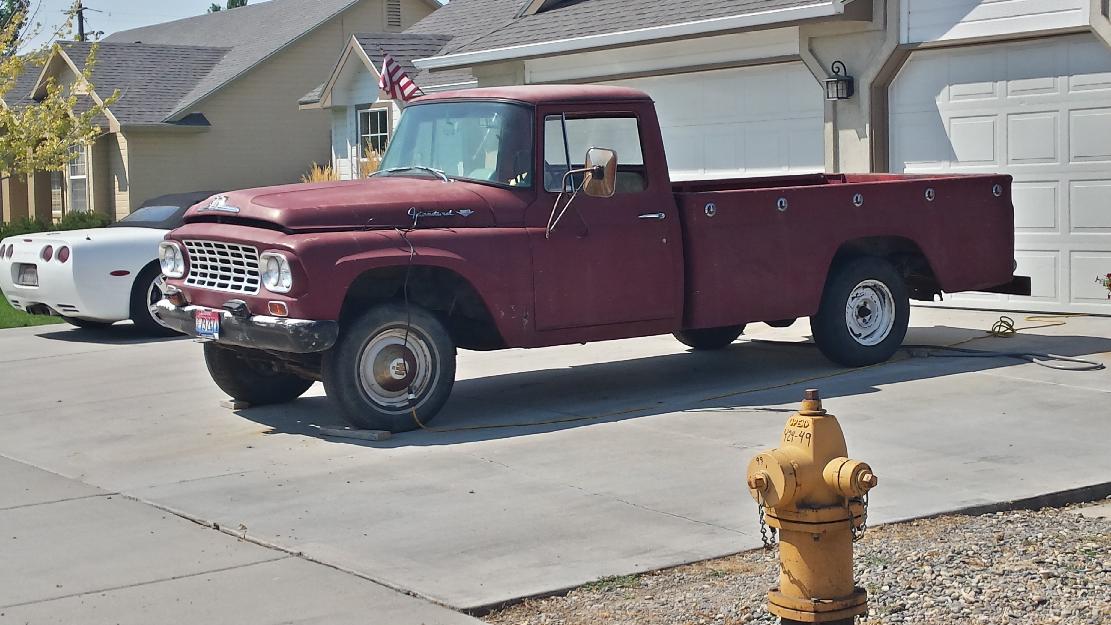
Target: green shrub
x,y
71,221
80,221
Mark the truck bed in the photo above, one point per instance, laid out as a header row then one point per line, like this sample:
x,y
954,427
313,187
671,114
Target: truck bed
x,y
762,251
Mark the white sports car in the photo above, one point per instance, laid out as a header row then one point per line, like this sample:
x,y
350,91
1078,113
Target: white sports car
x,y
94,278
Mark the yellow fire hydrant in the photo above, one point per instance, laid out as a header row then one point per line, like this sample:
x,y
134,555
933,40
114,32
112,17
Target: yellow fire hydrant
x,y
816,497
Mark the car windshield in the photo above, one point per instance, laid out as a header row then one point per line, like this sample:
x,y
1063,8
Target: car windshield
x,y
151,214
489,142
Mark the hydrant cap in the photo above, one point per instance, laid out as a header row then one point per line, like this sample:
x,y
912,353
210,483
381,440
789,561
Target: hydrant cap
x,y
771,479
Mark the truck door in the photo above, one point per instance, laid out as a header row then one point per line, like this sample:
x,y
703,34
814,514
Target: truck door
x,y
614,260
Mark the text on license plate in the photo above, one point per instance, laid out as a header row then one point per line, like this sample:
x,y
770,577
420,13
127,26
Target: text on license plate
x,y
28,275
208,324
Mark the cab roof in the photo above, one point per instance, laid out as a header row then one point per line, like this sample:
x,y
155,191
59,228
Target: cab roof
x,y
543,94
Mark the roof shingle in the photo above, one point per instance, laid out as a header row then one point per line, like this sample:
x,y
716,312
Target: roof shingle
x,y
246,36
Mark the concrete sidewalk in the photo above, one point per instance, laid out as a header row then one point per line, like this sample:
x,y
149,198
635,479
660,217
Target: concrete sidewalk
x,y
615,457
73,553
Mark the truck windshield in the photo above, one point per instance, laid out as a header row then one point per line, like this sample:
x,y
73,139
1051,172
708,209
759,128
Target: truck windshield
x,y
489,142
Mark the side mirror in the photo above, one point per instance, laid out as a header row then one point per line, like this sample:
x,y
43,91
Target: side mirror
x,y
599,180
601,172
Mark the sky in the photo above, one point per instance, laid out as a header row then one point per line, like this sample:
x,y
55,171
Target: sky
x,y
116,15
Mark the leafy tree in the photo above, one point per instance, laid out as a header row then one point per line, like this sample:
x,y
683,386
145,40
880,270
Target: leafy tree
x,y
41,135
231,4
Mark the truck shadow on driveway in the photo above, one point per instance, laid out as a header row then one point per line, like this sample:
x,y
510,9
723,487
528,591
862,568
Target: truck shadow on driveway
x,y
749,376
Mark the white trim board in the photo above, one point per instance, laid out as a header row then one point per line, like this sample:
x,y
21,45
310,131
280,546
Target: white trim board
x,y
820,9
738,48
925,21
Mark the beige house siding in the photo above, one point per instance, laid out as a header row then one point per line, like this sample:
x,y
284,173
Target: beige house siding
x,y
119,173
239,150
100,175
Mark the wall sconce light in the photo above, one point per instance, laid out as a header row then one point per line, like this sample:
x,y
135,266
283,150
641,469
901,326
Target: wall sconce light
x,y
841,86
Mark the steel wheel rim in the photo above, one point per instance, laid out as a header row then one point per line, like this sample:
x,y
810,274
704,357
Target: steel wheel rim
x,y
393,363
155,292
870,312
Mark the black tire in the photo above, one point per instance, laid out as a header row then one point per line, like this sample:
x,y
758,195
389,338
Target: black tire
x,y
142,296
384,355
878,298
87,324
706,339
252,377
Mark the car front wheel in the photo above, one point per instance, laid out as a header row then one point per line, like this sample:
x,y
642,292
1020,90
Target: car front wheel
x,y
864,313
144,294
392,369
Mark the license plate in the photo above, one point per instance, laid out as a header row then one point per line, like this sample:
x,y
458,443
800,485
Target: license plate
x,y
28,275
208,324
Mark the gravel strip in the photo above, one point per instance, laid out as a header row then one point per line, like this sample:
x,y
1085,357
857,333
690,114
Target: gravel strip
x,y
1023,567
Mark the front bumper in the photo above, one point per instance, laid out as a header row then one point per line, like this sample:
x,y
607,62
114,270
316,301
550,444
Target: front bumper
x,y
295,336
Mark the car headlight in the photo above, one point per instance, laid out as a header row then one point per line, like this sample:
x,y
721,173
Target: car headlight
x,y
172,259
277,276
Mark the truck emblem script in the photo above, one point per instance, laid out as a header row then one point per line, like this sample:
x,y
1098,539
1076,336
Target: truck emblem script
x,y
220,203
419,214
711,209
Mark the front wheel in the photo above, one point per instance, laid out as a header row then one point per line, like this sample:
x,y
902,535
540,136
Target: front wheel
x,y
254,378
864,313
392,369
145,293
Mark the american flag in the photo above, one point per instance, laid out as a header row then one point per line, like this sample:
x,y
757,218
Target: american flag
x,y
396,82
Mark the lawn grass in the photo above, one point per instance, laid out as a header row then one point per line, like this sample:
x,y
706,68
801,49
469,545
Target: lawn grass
x,y
12,318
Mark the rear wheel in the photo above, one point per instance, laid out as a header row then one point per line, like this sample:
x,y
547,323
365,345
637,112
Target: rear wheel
x,y
254,378
709,338
392,369
864,313
146,291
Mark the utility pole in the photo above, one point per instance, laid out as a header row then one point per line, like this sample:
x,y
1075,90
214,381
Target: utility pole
x,y
79,10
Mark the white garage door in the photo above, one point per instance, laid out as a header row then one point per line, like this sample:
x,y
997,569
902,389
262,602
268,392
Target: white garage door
x,y
752,121
1040,111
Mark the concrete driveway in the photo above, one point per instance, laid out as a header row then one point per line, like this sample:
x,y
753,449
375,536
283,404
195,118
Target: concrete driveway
x,y
616,457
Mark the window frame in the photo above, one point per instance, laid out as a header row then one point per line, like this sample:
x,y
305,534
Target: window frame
x,y
81,159
571,115
386,134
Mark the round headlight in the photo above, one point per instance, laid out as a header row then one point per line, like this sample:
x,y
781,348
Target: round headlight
x,y
277,276
171,260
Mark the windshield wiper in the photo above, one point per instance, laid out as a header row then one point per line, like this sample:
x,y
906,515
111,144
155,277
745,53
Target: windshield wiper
x,y
393,170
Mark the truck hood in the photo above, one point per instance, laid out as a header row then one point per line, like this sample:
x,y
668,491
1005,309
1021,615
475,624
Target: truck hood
x,y
378,202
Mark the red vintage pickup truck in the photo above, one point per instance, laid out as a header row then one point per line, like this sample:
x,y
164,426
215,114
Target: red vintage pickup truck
x,y
544,215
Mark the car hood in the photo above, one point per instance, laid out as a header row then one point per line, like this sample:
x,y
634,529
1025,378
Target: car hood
x,y
383,202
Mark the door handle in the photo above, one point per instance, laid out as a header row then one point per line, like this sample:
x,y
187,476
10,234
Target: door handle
x,y
656,216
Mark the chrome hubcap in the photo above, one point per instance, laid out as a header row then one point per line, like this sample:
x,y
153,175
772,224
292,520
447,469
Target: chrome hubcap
x,y
393,365
870,312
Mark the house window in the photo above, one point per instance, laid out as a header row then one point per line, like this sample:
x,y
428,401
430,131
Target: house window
x,y
374,131
78,181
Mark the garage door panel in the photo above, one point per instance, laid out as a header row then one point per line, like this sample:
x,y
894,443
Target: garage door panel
x,y
745,121
1090,207
1032,138
973,139
1036,205
1090,135
1046,120
1086,267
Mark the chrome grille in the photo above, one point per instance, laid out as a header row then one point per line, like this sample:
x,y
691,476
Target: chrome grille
x,y
223,266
